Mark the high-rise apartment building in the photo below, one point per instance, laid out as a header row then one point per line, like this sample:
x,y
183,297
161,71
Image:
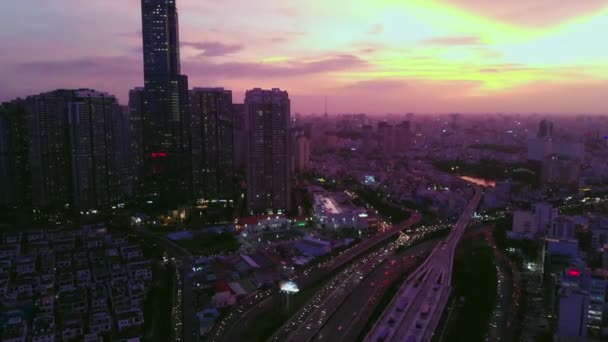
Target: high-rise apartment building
x,y
63,150
166,124
49,151
212,143
268,167
14,165
94,120
240,136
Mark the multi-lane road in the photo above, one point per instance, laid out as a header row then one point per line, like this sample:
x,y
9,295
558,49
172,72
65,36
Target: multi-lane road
x,y
414,312
232,327
342,308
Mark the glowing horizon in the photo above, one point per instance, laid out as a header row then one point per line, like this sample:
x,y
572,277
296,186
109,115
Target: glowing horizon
x,y
366,56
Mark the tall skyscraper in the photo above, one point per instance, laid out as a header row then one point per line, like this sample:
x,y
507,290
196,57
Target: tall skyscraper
x,y
268,167
14,166
212,143
94,131
166,124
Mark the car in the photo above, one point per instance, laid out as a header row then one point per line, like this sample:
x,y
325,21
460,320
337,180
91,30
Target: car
x,y
372,284
340,327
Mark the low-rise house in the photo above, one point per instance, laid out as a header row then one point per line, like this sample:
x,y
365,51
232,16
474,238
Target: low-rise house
x,y
119,296
224,297
119,272
100,322
36,235
92,337
73,301
83,277
15,329
96,256
43,328
64,243
131,252
37,247
14,237
4,283
5,267
99,297
129,319
101,274
63,260
25,285
94,243
137,293
47,261
46,305
72,327
140,270
47,283
10,250
118,240
23,265
65,280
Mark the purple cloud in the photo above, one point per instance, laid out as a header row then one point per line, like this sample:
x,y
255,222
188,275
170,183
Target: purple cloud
x,y
213,49
287,69
129,69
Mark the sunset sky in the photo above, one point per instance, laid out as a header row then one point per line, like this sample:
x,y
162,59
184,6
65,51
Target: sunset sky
x,y
366,56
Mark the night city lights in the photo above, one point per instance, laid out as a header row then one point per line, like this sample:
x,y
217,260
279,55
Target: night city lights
x,y
244,171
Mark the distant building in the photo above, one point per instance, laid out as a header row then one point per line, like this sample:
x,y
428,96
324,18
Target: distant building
x,y
561,171
386,138
269,157
367,138
524,225
539,149
545,129
403,137
544,213
212,143
562,227
573,311
302,152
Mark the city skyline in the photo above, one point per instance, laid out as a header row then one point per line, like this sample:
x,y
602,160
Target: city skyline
x,y
419,56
